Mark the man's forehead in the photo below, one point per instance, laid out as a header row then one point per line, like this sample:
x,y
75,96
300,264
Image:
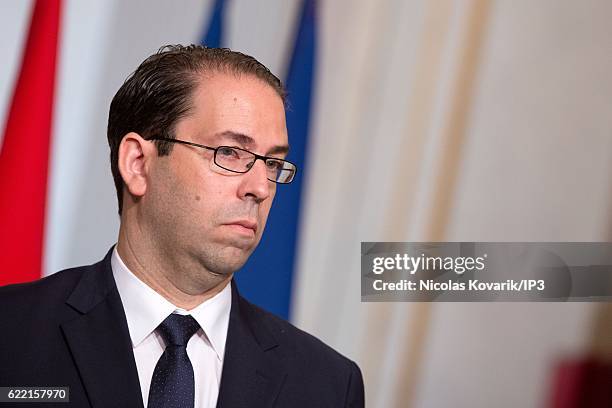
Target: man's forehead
x,y
229,92
226,81
237,110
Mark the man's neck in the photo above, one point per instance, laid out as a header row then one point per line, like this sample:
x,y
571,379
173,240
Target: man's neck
x,y
166,279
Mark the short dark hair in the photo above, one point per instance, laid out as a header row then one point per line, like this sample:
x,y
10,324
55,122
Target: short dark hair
x,y
159,93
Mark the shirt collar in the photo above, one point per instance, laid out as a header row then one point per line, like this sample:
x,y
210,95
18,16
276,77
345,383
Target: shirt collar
x,y
145,309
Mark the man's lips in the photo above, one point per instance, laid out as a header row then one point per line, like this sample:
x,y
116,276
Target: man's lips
x,y
251,225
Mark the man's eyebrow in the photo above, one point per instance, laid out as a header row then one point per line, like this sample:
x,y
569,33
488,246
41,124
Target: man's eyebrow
x,y
249,142
239,138
279,150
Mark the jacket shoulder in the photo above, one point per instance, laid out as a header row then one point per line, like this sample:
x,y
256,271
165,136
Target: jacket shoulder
x,y
319,375
299,341
61,281
41,295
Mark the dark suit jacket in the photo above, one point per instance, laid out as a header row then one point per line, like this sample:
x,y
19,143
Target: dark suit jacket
x,y
70,329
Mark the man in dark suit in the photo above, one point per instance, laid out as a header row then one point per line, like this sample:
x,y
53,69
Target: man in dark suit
x,y
198,143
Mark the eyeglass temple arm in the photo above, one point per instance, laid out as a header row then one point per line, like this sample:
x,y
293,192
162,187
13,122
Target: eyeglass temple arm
x,y
165,139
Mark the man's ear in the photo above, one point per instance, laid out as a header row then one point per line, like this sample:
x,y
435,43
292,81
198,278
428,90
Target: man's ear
x,y
134,155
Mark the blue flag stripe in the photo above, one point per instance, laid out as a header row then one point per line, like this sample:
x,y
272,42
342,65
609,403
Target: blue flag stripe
x,y
214,33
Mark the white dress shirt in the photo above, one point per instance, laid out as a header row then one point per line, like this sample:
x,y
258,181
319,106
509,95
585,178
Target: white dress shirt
x,y
145,309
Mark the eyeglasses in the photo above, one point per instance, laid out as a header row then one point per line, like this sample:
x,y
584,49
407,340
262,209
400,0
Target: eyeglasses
x,y
239,160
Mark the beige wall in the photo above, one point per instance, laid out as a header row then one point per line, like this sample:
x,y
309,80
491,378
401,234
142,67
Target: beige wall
x,y
465,120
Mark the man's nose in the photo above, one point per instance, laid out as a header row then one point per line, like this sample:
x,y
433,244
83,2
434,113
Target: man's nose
x,y
255,182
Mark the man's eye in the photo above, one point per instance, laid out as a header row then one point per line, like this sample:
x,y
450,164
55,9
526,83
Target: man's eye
x,y
274,164
227,152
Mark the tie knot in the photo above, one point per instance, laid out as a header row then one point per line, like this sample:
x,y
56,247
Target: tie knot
x,y
178,329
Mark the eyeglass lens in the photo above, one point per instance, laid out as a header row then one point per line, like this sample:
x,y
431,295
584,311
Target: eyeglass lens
x,y
240,161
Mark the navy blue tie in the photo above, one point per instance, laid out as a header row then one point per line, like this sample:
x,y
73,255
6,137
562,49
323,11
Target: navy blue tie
x,y
172,385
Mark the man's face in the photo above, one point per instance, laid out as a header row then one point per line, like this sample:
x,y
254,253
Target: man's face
x,y
199,212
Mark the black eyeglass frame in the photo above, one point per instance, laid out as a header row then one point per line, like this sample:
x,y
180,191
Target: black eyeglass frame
x,y
216,149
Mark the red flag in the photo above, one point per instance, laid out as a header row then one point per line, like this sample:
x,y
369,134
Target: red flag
x,y
24,155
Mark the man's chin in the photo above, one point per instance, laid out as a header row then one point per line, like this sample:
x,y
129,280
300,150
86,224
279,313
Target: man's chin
x,y
222,265
239,243
225,255
234,255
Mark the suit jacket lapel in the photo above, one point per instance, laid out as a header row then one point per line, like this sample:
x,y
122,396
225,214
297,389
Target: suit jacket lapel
x,y
99,340
252,374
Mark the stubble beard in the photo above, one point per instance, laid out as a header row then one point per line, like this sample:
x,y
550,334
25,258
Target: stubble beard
x,y
198,259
